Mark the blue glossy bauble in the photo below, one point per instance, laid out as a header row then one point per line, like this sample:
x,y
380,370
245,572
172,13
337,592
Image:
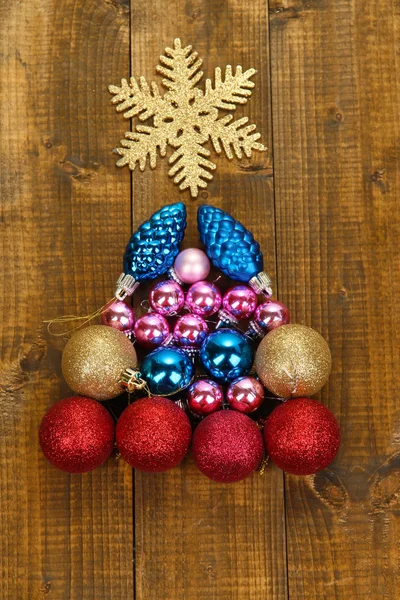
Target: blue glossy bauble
x,y
167,370
227,354
152,249
229,245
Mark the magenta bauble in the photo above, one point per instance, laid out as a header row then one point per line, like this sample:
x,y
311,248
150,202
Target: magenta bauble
x,y
203,298
245,394
167,298
204,397
151,330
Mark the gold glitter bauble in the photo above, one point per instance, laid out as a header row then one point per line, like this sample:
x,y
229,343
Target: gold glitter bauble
x,y
293,361
93,360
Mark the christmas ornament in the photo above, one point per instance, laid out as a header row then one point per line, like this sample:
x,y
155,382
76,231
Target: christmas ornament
x,y
153,247
204,396
203,298
119,315
245,394
302,436
190,265
167,371
226,354
232,248
238,303
153,434
185,118
152,330
94,360
293,360
167,298
227,446
268,316
190,331
77,434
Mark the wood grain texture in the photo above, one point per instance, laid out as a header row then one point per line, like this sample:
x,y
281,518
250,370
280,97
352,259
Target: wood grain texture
x,y
326,101
64,218
335,98
196,539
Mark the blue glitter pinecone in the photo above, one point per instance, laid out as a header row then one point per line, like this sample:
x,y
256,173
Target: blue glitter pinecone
x,y
153,247
229,245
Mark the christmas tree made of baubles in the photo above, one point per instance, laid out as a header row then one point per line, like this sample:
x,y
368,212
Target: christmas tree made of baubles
x,y
225,374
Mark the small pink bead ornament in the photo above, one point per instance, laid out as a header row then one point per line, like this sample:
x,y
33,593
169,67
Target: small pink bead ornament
x,y
152,330
119,315
268,316
239,302
203,298
191,265
245,394
204,397
167,298
190,331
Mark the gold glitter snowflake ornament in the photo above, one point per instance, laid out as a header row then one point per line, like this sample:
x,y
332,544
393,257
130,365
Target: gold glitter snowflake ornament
x,y
186,117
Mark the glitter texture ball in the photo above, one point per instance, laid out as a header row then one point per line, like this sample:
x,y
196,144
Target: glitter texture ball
x,y
203,298
190,331
227,446
167,370
302,436
240,301
226,354
204,397
167,298
245,394
192,265
118,315
77,434
93,360
151,330
153,434
293,360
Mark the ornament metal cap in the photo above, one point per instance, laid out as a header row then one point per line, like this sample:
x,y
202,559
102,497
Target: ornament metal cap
x,y
261,284
125,286
254,331
131,380
225,319
173,275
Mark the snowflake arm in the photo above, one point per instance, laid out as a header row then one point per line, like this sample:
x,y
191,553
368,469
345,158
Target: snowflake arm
x,y
234,89
138,99
237,135
191,169
180,69
139,145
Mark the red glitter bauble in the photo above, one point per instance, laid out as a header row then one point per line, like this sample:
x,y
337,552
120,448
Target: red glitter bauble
x,y
302,436
227,446
77,434
153,434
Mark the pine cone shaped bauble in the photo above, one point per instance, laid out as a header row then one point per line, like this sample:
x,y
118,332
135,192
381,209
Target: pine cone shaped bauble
x,y
229,245
152,249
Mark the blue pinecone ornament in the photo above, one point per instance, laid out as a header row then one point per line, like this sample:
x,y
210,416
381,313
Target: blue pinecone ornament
x,y
153,247
232,248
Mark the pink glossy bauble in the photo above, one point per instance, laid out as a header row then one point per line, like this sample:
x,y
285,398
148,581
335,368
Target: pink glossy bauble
x,y
151,330
192,265
118,315
245,394
203,298
190,330
271,314
240,301
204,397
167,298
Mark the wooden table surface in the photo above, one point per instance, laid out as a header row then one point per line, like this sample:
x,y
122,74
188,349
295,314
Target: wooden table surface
x,y
323,202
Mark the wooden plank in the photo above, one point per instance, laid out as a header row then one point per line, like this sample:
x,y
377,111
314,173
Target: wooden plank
x,y
64,219
335,89
194,538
